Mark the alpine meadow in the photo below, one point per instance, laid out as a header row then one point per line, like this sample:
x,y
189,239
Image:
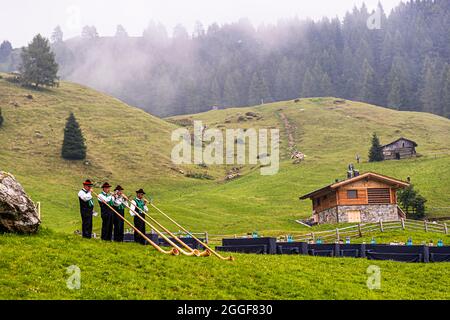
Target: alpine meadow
x,y
94,205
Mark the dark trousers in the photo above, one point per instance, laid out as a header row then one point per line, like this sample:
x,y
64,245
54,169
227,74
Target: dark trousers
x,y
86,223
140,225
118,225
107,223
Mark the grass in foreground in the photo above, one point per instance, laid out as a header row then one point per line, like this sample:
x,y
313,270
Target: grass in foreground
x,y
34,267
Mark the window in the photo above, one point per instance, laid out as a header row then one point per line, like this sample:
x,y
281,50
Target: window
x,y
352,194
378,195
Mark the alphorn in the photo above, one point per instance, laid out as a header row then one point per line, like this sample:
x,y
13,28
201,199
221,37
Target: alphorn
x,y
191,253
230,258
205,253
173,251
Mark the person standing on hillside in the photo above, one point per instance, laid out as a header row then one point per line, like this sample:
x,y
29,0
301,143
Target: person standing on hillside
x,y
139,206
104,198
86,209
120,200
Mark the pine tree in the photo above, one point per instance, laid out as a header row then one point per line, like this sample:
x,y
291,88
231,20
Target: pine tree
x,y
309,85
375,152
230,92
395,97
121,32
258,91
326,87
57,35
446,93
430,93
215,93
73,147
368,91
1,118
89,32
38,64
5,50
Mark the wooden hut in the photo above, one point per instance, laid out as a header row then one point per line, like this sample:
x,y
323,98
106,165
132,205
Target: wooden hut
x,y
399,149
369,197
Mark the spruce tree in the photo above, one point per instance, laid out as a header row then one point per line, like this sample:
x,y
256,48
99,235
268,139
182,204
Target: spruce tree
x,y
5,50
369,84
375,152
38,64
1,118
57,35
258,91
446,93
73,147
230,92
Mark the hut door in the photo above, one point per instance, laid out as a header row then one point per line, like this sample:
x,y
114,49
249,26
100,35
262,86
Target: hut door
x,y
397,155
354,216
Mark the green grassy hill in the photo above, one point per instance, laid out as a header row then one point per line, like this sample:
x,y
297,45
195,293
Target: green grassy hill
x,y
130,147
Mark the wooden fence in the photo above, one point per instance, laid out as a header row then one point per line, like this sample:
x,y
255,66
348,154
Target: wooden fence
x,y
360,229
356,230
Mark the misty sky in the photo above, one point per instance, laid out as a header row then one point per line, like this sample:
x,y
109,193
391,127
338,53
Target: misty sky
x,y
20,20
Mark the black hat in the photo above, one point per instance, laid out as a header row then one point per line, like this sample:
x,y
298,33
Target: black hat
x,y
118,188
106,185
140,191
87,183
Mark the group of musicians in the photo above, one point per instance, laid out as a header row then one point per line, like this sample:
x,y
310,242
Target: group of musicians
x,y
112,203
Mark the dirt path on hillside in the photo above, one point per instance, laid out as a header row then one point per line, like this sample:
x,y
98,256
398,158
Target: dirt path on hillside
x,y
290,130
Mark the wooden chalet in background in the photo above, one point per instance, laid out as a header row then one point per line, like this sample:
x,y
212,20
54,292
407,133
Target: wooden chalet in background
x,y
369,197
399,149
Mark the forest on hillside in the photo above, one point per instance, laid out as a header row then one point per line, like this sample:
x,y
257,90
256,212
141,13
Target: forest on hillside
x,y
402,64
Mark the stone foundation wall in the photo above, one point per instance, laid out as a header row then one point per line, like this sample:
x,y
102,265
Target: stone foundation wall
x,y
328,215
369,213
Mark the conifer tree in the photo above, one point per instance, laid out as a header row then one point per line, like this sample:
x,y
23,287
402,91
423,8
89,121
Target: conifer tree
x,y
73,147
38,63
258,91
1,118
369,84
375,152
57,35
446,93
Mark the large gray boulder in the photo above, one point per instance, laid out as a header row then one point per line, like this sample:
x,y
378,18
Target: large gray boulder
x,y
17,212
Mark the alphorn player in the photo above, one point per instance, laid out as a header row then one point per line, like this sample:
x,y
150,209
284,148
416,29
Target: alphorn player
x,y
106,212
86,209
139,206
120,200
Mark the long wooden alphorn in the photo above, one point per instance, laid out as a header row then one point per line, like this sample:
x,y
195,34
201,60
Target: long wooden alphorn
x,y
173,251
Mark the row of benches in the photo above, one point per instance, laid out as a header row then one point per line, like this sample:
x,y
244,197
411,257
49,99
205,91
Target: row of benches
x,y
265,245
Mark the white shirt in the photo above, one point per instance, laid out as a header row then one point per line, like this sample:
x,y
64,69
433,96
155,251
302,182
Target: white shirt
x,y
118,200
103,198
85,195
136,209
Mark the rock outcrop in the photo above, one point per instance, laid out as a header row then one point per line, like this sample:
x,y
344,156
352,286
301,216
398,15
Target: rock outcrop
x,y
18,213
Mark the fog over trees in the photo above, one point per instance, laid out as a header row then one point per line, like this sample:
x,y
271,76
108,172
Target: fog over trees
x,y
404,65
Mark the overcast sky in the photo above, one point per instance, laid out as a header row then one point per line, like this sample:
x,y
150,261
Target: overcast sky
x,y
20,20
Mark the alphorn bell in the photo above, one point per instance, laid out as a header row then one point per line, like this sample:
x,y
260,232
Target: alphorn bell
x,y
173,251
